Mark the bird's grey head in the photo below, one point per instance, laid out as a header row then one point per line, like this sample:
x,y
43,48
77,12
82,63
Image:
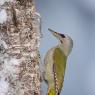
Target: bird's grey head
x,y
65,40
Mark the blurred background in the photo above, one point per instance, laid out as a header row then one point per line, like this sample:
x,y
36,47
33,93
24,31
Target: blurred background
x,y
77,19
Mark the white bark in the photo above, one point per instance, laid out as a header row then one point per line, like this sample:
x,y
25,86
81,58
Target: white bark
x,y
19,42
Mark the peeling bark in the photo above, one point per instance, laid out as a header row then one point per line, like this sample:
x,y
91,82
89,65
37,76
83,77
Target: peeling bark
x,y
19,55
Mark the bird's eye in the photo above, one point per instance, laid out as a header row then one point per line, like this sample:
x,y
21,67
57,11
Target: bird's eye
x,y
62,35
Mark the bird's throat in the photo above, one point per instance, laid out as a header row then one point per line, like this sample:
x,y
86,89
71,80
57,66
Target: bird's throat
x,y
66,50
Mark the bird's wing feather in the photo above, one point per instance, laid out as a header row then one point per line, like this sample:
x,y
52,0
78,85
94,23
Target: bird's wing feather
x,y
59,66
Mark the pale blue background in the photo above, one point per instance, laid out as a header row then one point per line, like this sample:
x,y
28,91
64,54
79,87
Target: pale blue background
x,y
77,19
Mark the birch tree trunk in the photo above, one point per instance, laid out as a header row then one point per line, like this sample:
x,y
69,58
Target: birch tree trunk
x,y
19,42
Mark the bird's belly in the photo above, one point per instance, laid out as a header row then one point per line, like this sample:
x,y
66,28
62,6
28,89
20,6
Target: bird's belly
x,y
49,67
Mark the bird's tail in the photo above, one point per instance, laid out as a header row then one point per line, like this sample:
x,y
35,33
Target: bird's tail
x,y
51,91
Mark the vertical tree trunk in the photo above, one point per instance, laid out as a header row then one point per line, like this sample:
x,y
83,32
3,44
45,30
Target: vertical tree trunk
x,y
19,42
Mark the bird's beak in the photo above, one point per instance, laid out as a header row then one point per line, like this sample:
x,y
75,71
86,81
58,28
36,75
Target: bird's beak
x,y
56,34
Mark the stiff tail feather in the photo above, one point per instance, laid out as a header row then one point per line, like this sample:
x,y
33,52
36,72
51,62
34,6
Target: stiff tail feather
x,y
51,91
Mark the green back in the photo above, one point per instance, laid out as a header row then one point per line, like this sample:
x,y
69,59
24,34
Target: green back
x,y
60,65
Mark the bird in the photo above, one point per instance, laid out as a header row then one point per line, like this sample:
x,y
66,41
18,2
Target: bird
x,y
55,63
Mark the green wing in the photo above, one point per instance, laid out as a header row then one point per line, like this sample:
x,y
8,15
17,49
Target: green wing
x,y
59,66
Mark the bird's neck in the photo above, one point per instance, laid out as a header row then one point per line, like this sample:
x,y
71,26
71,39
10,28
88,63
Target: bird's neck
x,y
65,49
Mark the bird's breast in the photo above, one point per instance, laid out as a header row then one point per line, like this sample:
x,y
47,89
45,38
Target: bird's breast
x,y
49,66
